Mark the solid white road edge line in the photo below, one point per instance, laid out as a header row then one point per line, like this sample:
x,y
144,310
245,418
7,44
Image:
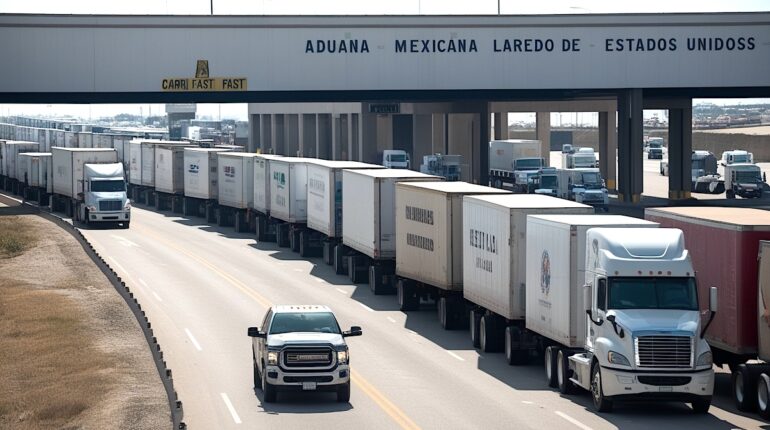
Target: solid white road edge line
x,y
572,420
230,407
366,307
195,342
455,355
157,296
122,269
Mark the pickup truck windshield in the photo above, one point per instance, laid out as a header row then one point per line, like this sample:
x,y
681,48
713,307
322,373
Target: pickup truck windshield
x,y
527,164
108,186
310,322
653,293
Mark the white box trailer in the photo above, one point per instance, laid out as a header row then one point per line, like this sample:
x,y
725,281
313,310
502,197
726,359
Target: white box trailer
x,y
555,274
143,160
288,189
200,173
70,140
324,194
429,217
236,179
11,156
369,225
101,140
85,139
429,246
261,201
67,166
169,169
122,145
32,168
58,139
494,258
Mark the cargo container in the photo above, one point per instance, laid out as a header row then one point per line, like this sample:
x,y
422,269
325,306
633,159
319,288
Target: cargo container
x,y
102,140
634,284
85,139
11,151
324,206
169,176
369,225
33,168
288,198
236,189
514,162
264,225
494,258
737,231
429,246
200,182
142,168
70,140
121,144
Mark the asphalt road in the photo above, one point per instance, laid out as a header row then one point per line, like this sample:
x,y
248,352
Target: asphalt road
x,y
202,286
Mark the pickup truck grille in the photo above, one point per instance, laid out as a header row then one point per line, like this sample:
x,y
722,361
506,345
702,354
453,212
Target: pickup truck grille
x,y
315,357
664,352
110,205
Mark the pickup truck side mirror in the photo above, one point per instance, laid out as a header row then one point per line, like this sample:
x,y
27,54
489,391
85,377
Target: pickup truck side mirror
x,y
254,332
354,331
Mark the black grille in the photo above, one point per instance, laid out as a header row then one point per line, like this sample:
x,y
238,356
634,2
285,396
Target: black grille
x,y
110,205
290,379
668,352
315,357
668,381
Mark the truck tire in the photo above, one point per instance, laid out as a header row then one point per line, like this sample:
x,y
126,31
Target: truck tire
x,y
443,313
550,365
407,296
475,321
514,354
340,259
701,405
269,394
745,388
763,396
601,403
563,373
489,334
343,392
257,378
730,194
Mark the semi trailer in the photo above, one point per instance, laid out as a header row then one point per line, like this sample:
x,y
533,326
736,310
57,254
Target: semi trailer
x,y
200,182
169,176
265,228
32,169
236,189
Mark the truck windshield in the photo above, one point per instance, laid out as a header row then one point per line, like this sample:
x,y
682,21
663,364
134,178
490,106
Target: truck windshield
x,y
397,158
108,186
741,158
307,322
549,182
527,164
747,176
591,178
653,293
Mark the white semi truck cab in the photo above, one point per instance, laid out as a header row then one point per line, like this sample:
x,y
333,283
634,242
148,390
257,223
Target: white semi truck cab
x,y
396,159
644,337
104,197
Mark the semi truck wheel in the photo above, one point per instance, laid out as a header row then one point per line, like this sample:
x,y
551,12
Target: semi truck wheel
x,y
343,392
763,396
601,403
489,334
475,320
563,373
514,354
340,266
730,194
407,297
701,405
550,365
745,388
443,313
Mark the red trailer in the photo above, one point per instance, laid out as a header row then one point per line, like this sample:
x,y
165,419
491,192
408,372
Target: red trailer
x,y
724,244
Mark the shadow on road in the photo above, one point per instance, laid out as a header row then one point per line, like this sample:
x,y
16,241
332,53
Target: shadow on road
x,y
303,403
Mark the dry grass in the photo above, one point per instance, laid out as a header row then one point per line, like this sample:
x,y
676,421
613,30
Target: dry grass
x,y
16,236
50,372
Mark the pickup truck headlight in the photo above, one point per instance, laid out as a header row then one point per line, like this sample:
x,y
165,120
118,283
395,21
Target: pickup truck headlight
x,y
617,358
705,359
272,358
342,357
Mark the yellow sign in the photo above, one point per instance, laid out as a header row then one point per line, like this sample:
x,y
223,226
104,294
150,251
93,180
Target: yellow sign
x,y
202,81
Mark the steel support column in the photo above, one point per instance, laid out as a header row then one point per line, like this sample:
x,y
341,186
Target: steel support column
x,y
630,145
608,148
481,152
543,134
679,153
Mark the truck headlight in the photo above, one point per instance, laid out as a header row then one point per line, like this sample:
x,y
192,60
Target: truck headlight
x,y
342,357
705,359
617,358
127,206
272,358
91,208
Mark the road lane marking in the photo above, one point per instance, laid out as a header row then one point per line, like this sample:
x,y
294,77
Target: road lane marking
x,y
125,242
320,281
141,281
230,408
577,423
527,402
341,290
366,307
115,262
392,410
157,296
391,320
455,355
386,405
195,342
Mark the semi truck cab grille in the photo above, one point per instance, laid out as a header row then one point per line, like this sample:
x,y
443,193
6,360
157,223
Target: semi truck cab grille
x,y
664,352
315,357
110,205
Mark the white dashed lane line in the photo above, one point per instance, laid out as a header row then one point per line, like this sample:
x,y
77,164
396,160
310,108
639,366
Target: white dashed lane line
x,y
230,408
577,423
366,307
192,338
